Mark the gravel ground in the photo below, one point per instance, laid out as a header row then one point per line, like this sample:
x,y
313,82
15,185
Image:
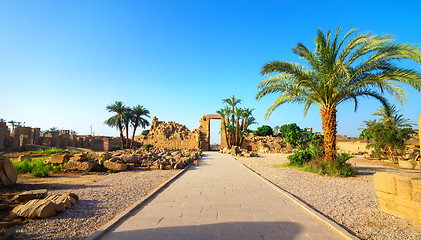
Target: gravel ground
x,y
98,204
351,202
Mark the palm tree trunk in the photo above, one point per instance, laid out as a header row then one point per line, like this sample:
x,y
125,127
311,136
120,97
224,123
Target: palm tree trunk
x,y
237,132
225,132
121,135
329,132
127,136
134,131
228,135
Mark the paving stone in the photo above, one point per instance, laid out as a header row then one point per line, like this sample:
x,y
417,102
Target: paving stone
x,y
220,199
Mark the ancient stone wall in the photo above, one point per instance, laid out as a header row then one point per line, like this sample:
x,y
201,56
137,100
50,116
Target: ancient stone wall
x,y
399,194
4,135
170,135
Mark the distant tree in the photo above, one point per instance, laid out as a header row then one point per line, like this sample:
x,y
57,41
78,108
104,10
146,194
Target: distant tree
x,y
2,120
127,119
52,130
139,112
235,128
264,130
73,132
116,120
388,137
389,113
12,123
145,132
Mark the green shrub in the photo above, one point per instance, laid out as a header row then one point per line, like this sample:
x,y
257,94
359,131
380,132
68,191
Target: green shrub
x,y
264,130
48,151
145,132
339,169
115,148
148,146
35,167
299,158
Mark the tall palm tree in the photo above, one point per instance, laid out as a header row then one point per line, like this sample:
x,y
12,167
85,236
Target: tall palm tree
x,y
232,101
389,113
337,72
139,112
127,117
223,113
116,120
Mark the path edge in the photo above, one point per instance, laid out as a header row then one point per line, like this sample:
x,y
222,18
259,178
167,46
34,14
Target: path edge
x,y
123,215
332,225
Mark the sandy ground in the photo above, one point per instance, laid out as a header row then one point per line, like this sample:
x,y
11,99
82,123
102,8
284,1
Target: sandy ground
x,y
351,202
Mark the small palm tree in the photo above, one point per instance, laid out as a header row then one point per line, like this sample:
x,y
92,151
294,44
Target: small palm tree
x,y
338,72
116,120
389,113
139,112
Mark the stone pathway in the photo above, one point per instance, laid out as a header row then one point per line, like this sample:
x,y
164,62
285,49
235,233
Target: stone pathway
x,y
219,199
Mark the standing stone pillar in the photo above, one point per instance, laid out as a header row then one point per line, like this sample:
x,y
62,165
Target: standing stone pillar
x,y
419,130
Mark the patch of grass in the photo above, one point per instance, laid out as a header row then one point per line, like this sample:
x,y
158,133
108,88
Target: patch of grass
x,y
282,165
36,167
48,151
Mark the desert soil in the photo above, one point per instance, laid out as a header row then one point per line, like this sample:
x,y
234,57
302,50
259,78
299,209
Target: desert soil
x,y
101,198
351,202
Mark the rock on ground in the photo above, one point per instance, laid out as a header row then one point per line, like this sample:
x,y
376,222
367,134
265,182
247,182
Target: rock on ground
x,y
98,204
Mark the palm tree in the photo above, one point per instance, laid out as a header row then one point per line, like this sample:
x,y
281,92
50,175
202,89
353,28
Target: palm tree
x,y
232,101
389,113
127,118
139,112
12,123
117,120
224,113
338,72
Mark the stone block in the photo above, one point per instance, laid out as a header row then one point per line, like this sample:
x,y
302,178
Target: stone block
x,y
416,190
59,158
404,187
385,182
407,164
385,196
29,195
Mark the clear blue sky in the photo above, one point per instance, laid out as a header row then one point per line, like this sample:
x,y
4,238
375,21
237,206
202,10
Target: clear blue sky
x,y
62,62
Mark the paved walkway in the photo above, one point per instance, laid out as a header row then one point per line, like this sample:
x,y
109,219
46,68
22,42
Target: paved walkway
x,y
220,199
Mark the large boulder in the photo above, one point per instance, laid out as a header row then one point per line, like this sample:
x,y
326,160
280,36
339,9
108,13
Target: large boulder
x,y
47,207
79,157
81,166
115,166
59,158
126,158
8,174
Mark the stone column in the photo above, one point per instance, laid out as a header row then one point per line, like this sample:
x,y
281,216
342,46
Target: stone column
x,y
419,130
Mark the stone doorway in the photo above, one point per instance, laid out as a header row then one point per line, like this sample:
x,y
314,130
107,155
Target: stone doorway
x,y
204,130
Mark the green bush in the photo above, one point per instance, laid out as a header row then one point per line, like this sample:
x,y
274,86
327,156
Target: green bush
x,y
264,130
115,148
48,151
339,169
299,158
35,167
145,132
148,146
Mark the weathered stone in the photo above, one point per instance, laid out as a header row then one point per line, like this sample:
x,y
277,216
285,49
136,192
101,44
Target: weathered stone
x,y
81,166
8,174
407,164
29,195
6,225
37,208
116,166
59,158
24,157
385,182
129,158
